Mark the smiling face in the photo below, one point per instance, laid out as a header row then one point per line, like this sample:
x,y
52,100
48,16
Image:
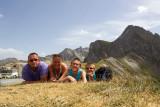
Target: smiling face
x,y
90,68
33,61
75,65
57,62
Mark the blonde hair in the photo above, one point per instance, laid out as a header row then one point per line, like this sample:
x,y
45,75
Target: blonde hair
x,y
90,63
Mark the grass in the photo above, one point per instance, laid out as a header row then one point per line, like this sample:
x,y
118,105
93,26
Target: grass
x,y
130,89
117,92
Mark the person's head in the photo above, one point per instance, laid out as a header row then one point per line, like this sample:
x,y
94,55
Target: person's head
x,y
33,60
56,60
90,67
75,64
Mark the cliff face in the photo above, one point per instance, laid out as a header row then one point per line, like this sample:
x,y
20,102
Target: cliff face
x,y
97,51
142,42
134,39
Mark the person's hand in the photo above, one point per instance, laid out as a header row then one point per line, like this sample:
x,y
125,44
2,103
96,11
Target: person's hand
x,y
90,75
53,79
71,79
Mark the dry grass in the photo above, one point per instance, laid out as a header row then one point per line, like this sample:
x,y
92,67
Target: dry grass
x,y
118,92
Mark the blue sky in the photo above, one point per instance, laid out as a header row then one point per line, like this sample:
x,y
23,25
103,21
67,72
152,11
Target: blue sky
x,y
49,26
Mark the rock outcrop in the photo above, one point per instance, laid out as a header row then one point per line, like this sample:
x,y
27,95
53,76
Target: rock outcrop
x,y
68,54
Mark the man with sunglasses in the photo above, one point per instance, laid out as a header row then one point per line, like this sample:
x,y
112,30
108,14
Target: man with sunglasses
x,y
35,70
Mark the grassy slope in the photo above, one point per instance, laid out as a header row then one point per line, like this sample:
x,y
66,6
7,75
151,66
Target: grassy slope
x,y
127,88
118,92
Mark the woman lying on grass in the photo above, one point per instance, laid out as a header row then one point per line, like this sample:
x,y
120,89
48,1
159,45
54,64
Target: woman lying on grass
x,y
74,73
56,68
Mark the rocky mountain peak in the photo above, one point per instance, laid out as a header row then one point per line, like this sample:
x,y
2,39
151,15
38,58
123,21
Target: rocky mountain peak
x,y
132,32
134,39
68,54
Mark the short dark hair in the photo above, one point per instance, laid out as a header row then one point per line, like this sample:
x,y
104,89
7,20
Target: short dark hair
x,y
57,55
76,59
33,53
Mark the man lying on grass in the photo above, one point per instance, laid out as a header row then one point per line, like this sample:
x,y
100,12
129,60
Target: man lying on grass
x,y
35,70
74,73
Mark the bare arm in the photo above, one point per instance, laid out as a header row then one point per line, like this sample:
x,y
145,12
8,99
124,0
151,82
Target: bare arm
x,y
50,67
51,76
42,79
65,79
83,76
90,76
64,67
63,75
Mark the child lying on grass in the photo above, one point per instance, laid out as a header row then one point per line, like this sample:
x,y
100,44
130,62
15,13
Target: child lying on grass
x,y
90,71
74,73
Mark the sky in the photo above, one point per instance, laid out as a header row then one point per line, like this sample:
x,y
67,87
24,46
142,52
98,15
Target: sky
x,y
49,26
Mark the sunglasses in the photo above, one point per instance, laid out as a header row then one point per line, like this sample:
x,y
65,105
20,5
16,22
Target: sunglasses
x,y
89,68
33,60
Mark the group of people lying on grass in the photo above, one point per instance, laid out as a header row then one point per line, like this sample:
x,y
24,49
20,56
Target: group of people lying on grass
x,y
38,71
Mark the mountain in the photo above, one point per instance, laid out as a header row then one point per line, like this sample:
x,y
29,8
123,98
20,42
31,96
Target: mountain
x,y
8,60
68,54
134,39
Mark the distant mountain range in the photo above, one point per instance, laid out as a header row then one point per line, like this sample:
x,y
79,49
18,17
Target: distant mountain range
x,y
68,54
8,60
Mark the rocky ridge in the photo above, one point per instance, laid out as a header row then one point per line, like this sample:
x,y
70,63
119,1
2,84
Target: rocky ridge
x,y
134,39
8,60
68,54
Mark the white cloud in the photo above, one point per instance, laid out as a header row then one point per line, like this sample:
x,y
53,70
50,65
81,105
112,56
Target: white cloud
x,y
11,53
153,6
1,15
141,9
149,7
146,14
84,36
146,24
108,31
